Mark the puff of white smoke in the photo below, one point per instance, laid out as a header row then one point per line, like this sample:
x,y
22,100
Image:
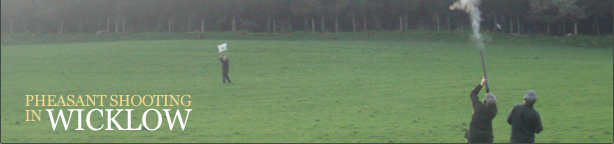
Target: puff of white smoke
x,y
471,7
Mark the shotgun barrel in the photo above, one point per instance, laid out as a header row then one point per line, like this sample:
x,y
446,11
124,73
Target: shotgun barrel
x,y
485,75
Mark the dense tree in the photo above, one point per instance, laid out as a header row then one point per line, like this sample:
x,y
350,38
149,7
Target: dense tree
x,y
571,11
358,8
597,9
561,10
305,9
516,16
403,9
545,11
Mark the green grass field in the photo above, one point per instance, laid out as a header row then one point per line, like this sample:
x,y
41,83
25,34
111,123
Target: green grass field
x,y
312,91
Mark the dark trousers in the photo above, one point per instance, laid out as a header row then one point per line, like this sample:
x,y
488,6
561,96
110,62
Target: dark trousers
x,y
225,77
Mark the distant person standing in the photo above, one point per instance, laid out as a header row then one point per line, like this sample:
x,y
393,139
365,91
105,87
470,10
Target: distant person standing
x,y
525,120
480,128
225,68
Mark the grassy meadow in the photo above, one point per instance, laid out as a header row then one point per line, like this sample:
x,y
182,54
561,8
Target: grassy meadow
x,y
312,90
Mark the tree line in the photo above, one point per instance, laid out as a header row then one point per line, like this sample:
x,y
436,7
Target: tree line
x,y
553,17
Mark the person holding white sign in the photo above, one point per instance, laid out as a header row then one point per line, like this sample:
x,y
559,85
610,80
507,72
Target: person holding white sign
x,y
224,61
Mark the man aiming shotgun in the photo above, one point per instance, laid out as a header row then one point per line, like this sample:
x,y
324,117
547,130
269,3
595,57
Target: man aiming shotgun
x,y
480,128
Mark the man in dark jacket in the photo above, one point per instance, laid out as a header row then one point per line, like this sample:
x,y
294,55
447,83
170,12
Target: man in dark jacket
x,y
525,120
480,128
225,66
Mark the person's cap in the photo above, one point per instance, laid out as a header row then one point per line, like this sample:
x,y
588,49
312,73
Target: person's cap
x,y
530,96
490,100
